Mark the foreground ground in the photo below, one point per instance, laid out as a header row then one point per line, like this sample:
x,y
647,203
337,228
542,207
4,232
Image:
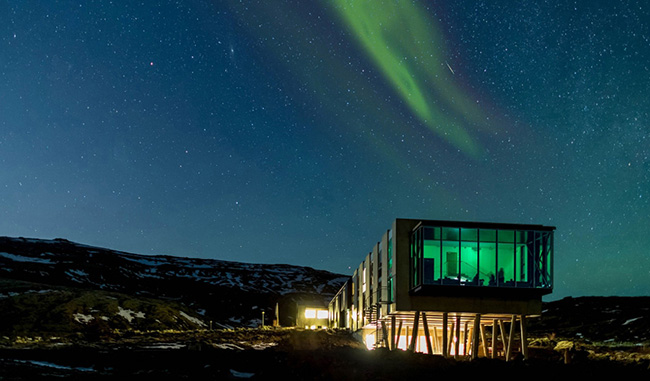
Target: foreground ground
x,y
288,354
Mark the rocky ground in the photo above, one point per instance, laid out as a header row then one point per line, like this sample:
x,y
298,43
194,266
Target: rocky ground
x,y
290,354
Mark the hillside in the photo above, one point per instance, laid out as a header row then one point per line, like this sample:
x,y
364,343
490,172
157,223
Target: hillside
x,y
615,320
83,283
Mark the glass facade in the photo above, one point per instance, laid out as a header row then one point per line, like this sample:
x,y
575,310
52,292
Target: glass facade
x,y
391,290
481,257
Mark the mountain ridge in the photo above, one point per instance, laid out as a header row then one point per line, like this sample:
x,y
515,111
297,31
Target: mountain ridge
x,y
226,292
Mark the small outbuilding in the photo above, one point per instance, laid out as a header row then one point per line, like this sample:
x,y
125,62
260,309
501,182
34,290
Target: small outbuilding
x,y
312,314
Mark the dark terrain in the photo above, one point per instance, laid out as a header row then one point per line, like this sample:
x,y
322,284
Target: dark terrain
x,y
69,310
292,354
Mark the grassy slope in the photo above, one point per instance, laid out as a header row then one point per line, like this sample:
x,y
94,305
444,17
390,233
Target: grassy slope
x,y
28,309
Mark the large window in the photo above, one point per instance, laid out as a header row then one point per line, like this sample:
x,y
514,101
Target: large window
x,y
431,255
450,255
488,257
481,257
469,274
506,258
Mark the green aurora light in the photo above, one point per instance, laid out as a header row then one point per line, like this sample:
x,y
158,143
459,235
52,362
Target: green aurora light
x,y
408,49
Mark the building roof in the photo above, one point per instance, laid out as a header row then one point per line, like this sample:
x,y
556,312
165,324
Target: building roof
x,y
480,225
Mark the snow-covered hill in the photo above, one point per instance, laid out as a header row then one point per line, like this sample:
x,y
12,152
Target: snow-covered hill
x,y
225,292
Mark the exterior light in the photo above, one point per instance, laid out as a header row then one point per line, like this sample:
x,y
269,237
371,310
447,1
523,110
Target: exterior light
x,y
370,341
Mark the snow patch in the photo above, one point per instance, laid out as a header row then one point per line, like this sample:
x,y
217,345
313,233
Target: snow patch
x,y
129,315
22,258
632,320
11,293
73,274
228,346
192,319
54,366
165,346
263,346
83,319
237,374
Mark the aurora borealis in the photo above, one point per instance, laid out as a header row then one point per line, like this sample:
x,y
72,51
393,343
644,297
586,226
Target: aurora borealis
x,y
297,131
422,81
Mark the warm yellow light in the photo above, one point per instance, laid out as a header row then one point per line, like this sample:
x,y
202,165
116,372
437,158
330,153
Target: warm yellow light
x,y
310,313
370,341
322,314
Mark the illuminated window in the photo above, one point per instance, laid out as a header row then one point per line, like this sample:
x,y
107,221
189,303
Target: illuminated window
x,y
481,257
310,313
322,314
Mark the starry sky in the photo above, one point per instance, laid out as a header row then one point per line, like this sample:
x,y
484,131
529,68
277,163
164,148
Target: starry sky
x,y
296,131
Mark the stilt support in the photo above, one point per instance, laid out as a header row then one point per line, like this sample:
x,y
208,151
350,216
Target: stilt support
x,y
425,325
399,333
475,333
484,343
504,336
511,337
465,338
391,346
414,336
436,341
494,338
457,341
445,327
384,334
524,339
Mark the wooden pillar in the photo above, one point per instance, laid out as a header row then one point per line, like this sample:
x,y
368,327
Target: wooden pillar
x,y
504,336
452,331
469,334
457,345
511,337
406,338
465,338
475,333
524,339
445,323
436,342
414,336
425,325
399,333
391,345
494,338
484,342
384,333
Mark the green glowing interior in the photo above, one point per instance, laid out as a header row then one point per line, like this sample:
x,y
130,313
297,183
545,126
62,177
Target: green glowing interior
x,y
481,257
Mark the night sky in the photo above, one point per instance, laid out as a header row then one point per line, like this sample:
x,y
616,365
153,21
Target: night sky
x,y
296,131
